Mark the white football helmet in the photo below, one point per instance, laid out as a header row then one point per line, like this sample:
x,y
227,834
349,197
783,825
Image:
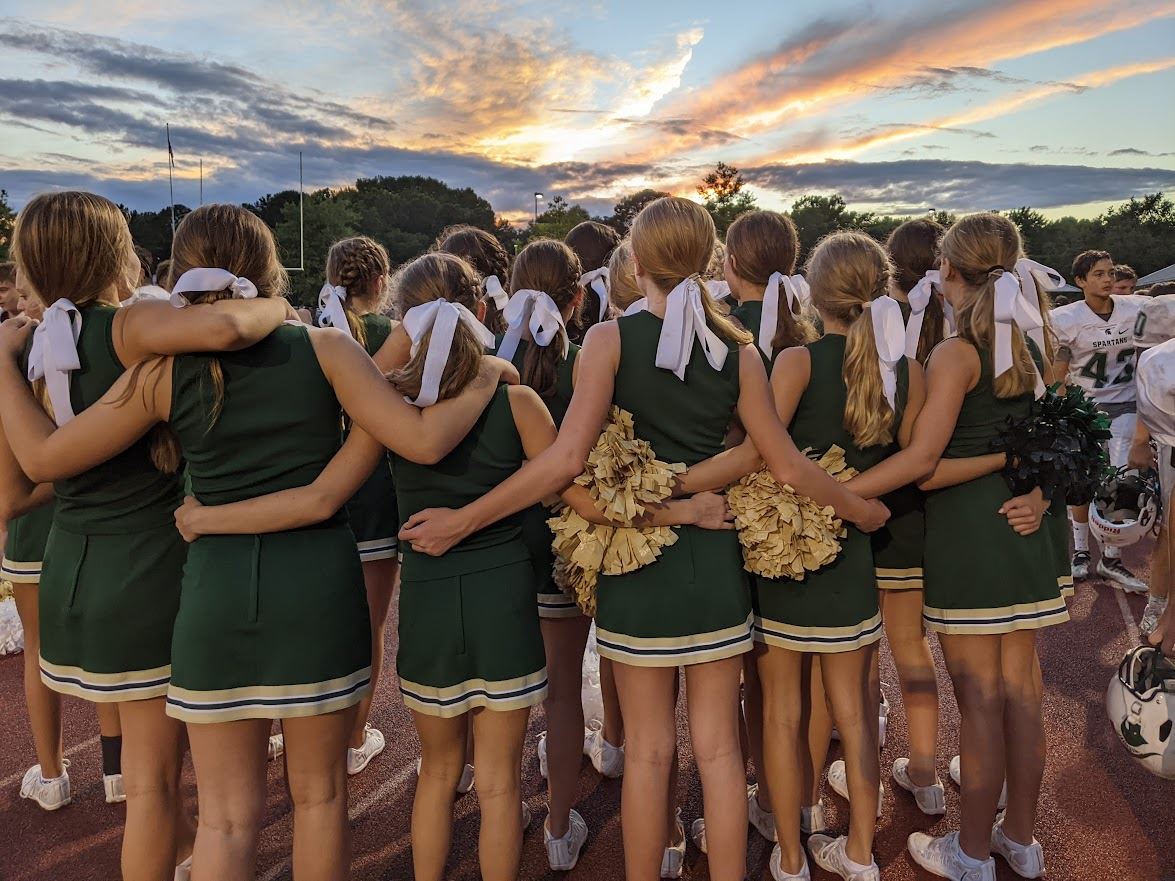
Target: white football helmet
x,y
1125,508
1141,705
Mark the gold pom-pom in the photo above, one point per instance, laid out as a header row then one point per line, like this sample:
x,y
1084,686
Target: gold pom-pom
x,y
783,534
6,590
623,476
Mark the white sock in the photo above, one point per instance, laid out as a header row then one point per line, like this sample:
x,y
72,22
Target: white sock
x,y
1080,537
855,868
969,861
1111,553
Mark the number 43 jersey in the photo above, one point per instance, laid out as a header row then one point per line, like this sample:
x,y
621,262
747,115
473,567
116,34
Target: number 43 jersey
x,y
1100,350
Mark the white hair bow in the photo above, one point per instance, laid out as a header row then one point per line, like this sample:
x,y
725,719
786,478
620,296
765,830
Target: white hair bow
x,y
536,310
496,293
1013,309
599,280
919,297
334,313
889,332
440,317
770,317
204,279
54,355
1030,274
718,290
685,321
636,306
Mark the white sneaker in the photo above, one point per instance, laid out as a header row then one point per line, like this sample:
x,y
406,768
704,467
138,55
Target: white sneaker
x,y
956,771
1155,607
1114,570
830,855
563,853
812,818
464,785
50,794
526,816
1080,565
1026,860
697,834
277,747
673,860
115,793
373,745
931,800
943,857
777,873
606,758
839,781
763,820
542,751
183,872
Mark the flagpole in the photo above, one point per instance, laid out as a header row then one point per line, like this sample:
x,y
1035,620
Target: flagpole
x,y
201,180
170,177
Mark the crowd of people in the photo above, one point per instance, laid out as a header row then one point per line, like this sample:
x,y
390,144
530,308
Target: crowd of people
x,y
213,500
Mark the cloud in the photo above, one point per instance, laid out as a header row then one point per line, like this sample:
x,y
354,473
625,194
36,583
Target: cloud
x,y
1134,151
960,185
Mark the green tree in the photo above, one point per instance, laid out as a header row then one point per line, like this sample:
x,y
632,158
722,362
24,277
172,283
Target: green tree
x,y
558,220
152,229
626,210
509,235
724,197
815,217
327,218
7,219
270,207
1031,224
1139,232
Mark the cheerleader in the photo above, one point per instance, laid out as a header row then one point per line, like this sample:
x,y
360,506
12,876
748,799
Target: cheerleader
x,y
484,253
352,300
675,371
492,658
990,580
269,627
593,243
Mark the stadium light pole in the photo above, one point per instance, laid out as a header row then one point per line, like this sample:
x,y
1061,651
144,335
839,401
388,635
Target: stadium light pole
x,y
537,197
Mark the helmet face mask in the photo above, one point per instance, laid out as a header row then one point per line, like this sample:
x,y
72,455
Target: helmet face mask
x,y
1140,702
1126,508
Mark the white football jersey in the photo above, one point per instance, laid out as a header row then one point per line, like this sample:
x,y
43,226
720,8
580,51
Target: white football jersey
x,y
1101,351
1156,392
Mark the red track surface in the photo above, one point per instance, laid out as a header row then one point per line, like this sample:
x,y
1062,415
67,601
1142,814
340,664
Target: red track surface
x,y
1101,816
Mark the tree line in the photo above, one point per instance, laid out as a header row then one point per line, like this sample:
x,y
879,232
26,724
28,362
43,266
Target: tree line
x,y
406,215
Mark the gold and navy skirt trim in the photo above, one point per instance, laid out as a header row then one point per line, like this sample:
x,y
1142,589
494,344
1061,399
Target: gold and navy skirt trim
x,y
378,549
557,605
798,638
674,651
456,700
268,701
103,688
1006,619
20,573
899,579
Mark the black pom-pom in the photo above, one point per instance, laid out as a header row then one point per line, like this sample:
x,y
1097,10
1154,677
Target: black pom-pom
x,y
1058,447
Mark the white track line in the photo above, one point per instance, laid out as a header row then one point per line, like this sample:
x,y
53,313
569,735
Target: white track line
x,y
19,775
358,809
1127,617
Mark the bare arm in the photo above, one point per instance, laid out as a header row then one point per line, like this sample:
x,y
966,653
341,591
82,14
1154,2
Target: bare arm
x,y
154,327
720,471
788,465
952,472
420,435
291,508
395,351
18,494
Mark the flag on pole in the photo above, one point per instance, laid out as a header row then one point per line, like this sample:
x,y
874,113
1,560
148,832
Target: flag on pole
x,y
170,152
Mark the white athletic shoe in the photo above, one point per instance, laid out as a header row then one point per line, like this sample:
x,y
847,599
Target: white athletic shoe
x,y
563,853
50,794
839,781
697,834
526,815
115,793
1114,570
1155,607
812,818
277,747
931,800
956,770
830,855
373,745
606,758
673,860
777,873
1080,565
542,751
763,820
183,872
464,785
1026,860
943,857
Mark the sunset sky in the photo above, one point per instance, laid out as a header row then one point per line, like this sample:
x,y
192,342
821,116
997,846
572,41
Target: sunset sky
x,y
900,106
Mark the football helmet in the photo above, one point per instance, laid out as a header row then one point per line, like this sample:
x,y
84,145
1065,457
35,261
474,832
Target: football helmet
x,y
1125,508
1140,702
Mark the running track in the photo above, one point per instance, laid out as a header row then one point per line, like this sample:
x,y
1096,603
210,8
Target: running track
x,y
1102,818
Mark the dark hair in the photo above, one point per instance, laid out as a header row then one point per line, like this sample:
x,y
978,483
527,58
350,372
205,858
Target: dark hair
x,y
8,272
485,254
163,273
549,266
1086,260
1122,272
357,264
593,243
762,243
146,265
913,250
